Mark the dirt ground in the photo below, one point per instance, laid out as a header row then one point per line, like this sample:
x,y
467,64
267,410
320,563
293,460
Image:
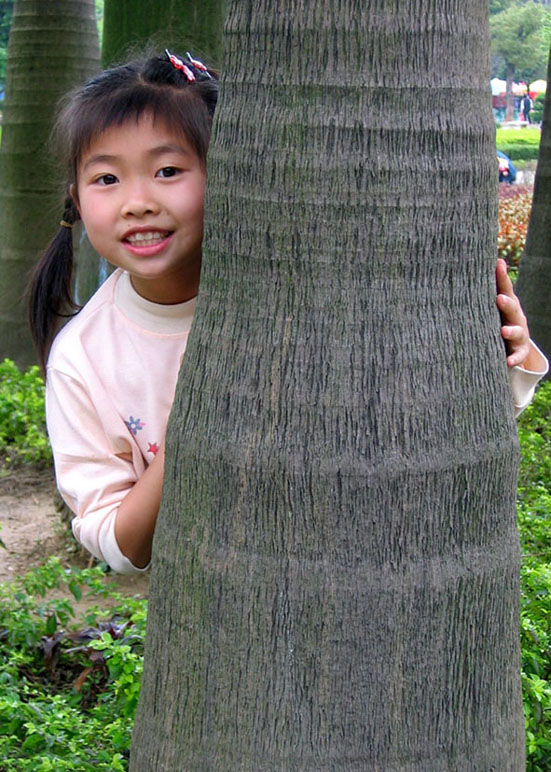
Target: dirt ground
x,y
32,530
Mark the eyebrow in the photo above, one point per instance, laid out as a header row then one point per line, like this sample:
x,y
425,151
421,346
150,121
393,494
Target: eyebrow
x,y
102,158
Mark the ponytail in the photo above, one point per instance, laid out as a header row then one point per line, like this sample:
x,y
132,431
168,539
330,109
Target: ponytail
x,y
50,290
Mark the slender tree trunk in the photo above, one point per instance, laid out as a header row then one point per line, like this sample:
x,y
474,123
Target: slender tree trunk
x,y
335,574
534,279
177,24
53,46
509,96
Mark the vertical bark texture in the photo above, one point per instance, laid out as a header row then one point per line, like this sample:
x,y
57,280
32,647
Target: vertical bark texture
x,y
534,279
178,24
53,45
335,579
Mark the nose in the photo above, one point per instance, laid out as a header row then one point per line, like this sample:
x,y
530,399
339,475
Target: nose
x,y
139,200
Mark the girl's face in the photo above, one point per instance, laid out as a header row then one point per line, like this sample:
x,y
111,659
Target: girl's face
x,y
140,194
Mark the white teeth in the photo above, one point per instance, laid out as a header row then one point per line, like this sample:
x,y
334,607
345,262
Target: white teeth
x,y
146,238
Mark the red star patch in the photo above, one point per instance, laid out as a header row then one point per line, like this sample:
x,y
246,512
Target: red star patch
x,y
153,448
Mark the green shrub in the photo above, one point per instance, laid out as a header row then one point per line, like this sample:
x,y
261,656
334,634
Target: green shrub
x,y
534,515
518,152
23,435
537,112
67,696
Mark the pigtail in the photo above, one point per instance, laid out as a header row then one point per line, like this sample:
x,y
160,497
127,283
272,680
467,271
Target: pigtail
x,y
50,288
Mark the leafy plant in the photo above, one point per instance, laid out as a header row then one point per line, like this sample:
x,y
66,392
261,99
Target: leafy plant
x,y
534,510
515,202
537,112
67,696
23,435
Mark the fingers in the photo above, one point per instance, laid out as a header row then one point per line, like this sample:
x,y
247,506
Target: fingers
x,y
514,330
504,284
518,343
511,310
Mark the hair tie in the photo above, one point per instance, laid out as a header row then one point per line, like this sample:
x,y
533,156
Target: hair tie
x,y
65,224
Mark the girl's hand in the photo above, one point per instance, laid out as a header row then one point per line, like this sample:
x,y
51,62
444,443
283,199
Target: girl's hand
x,y
514,328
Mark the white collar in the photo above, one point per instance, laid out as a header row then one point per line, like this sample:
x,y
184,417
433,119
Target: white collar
x,y
154,317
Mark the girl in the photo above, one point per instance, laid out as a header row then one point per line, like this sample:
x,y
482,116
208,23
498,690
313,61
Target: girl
x,y
136,139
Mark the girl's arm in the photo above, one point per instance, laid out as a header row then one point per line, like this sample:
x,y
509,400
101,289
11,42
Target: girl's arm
x,y
137,514
97,471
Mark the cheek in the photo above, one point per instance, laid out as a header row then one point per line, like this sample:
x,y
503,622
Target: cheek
x,y
195,209
94,213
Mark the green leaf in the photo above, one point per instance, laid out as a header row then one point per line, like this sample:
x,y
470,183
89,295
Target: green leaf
x,y
75,590
51,624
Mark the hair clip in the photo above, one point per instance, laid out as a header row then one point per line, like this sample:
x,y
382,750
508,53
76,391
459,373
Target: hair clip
x,y
197,64
65,224
178,64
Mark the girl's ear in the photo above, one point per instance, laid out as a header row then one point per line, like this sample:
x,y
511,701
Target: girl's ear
x,y
74,195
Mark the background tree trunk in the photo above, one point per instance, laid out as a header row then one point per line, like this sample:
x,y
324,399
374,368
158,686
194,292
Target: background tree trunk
x,y
176,24
52,46
509,97
534,278
335,577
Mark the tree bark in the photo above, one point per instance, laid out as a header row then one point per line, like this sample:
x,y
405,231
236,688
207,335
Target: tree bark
x,y
509,96
180,25
335,572
52,47
534,278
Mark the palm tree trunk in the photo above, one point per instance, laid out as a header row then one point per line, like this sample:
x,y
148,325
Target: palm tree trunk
x,y
180,25
52,47
534,279
335,576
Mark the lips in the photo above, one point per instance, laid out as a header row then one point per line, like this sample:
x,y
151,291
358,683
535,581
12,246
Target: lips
x,y
147,243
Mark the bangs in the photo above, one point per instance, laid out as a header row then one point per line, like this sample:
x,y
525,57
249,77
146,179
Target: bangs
x,y
180,110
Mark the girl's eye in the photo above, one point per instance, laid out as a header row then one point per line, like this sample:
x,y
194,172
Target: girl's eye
x,y
106,179
168,171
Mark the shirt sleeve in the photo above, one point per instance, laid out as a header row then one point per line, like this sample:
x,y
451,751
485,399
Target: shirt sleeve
x,y
96,465
524,382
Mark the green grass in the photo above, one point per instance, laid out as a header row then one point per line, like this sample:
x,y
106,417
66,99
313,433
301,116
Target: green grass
x,y
528,136
519,144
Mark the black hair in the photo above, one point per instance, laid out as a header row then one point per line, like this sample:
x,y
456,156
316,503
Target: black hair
x,y
155,86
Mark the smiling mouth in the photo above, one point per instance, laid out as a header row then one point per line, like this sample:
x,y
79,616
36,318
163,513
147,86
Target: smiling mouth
x,y
147,238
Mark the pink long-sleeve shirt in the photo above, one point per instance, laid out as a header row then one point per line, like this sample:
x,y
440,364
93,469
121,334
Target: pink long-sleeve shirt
x,y
110,384
111,379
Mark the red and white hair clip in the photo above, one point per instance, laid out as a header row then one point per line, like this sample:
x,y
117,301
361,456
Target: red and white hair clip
x,y
188,67
180,65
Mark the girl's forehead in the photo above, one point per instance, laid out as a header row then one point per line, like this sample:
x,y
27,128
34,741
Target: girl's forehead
x,y
136,135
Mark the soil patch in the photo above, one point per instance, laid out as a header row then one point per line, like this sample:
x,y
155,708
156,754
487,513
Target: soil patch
x,y
32,530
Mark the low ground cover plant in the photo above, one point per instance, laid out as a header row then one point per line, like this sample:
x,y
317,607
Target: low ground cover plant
x,y
68,692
